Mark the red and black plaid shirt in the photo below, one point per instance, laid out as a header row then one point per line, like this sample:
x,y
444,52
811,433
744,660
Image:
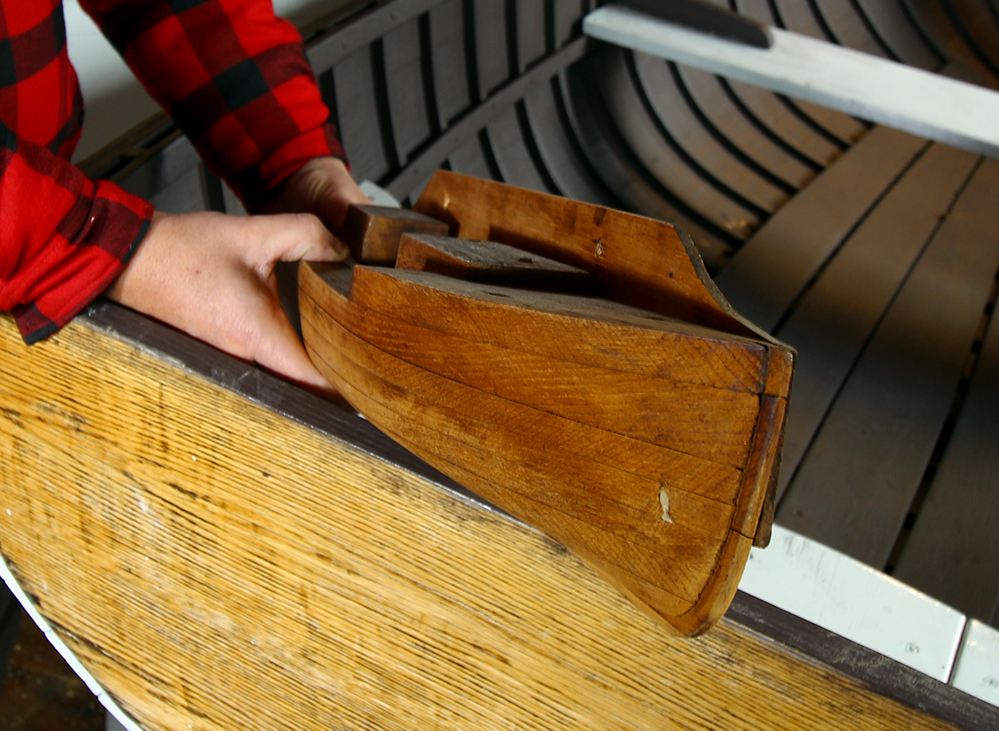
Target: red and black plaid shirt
x,y
231,74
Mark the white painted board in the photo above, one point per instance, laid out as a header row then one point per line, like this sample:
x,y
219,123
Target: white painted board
x,y
883,91
977,669
862,604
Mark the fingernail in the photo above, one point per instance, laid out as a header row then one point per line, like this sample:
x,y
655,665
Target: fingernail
x,y
340,250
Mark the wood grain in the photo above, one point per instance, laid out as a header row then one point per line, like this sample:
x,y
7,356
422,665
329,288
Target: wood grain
x,y
488,263
664,275
373,232
282,579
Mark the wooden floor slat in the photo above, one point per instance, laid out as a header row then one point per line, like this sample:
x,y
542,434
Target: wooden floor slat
x,y
763,280
856,483
951,553
834,320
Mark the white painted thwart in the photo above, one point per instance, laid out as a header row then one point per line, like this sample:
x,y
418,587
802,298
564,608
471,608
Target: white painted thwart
x,y
883,91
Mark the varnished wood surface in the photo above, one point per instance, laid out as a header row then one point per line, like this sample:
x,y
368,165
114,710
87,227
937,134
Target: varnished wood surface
x,y
665,275
235,569
583,451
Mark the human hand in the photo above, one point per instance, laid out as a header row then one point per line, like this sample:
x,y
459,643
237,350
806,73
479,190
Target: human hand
x,y
212,276
323,187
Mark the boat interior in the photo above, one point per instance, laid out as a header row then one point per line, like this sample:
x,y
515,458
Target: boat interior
x,y
872,251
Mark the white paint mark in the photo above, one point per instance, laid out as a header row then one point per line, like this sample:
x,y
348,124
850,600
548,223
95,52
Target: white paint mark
x,y
193,458
664,501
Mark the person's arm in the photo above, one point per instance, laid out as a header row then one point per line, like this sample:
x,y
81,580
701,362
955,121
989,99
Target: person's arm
x,y
63,237
235,78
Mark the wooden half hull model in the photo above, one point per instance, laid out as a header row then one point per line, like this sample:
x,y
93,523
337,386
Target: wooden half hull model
x,y
581,372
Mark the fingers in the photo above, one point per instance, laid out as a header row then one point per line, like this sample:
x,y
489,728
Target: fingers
x,y
296,237
334,191
324,187
280,351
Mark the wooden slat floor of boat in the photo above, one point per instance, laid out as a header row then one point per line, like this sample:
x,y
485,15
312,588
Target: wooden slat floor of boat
x,y
956,529
890,412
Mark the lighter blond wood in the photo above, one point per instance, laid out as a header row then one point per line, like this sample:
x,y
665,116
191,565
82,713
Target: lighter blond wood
x,y
218,566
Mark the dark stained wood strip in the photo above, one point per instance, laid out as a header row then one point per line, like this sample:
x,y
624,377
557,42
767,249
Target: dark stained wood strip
x,y
888,416
660,157
901,33
770,112
531,26
727,117
567,16
447,46
430,158
611,158
938,26
951,552
361,129
408,112
492,51
672,110
798,16
847,25
510,150
772,269
834,320
559,152
469,159
978,28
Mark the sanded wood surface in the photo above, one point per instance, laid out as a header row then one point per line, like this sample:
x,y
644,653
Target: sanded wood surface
x,y
217,565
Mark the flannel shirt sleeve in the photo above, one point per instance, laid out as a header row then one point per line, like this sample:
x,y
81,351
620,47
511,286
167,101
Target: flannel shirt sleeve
x,y
233,76
63,238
